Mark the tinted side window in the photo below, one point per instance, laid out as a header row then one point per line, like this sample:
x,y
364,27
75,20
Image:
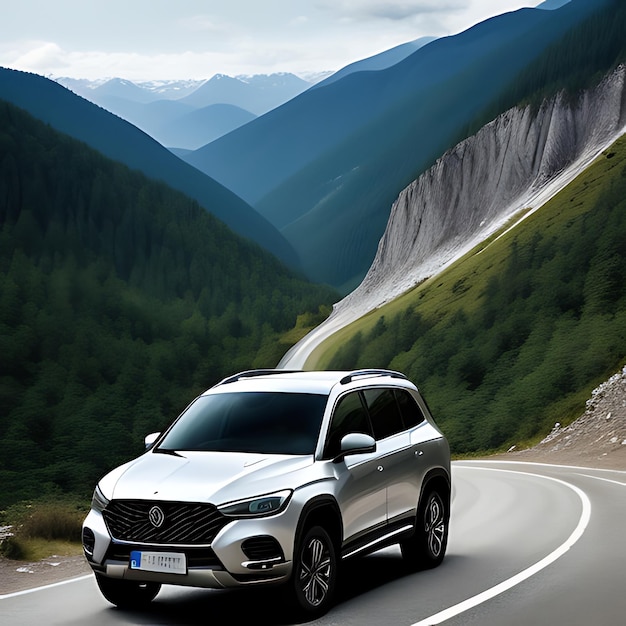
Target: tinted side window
x,y
350,416
384,412
411,412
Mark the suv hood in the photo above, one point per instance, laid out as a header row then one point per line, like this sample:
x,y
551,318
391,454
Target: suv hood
x,y
215,477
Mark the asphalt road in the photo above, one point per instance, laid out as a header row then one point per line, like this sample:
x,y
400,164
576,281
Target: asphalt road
x,y
530,544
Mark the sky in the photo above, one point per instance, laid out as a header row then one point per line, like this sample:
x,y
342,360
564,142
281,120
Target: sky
x,y
196,39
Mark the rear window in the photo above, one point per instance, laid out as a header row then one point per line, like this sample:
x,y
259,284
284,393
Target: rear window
x,y
384,412
392,411
411,412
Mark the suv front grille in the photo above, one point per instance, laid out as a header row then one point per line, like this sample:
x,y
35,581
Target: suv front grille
x,y
176,523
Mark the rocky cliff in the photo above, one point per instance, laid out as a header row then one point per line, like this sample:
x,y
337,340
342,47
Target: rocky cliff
x,y
513,164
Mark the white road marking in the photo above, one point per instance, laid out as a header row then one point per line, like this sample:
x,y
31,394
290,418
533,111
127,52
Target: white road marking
x,y
606,480
570,467
505,585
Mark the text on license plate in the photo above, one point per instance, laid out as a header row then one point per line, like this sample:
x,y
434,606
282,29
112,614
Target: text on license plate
x,y
170,562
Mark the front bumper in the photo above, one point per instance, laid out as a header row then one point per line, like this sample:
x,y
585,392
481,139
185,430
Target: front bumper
x,y
244,552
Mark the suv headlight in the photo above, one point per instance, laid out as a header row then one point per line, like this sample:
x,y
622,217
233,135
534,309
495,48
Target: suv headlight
x,y
269,504
98,501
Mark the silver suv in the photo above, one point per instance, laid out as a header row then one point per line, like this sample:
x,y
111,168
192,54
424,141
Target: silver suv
x,y
274,477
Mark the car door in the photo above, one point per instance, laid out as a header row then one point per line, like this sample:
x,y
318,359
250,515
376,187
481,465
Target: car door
x,y
398,457
361,488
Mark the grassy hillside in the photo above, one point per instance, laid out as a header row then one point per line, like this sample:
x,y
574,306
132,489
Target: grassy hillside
x,y
513,337
120,300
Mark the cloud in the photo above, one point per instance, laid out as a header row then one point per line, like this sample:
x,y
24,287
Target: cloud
x,y
38,56
50,59
197,39
392,9
199,23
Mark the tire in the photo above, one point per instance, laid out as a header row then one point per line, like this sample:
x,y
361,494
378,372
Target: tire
x,y
426,548
314,578
127,594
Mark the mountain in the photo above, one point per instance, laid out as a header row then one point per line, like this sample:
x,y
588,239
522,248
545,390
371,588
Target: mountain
x,y
570,107
257,93
120,297
189,114
550,5
120,141
198,127
118,88
147,116
326,167
513,338
175,124
379,61
149,91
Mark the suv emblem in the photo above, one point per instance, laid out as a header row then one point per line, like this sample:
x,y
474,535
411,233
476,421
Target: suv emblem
x,y
156,516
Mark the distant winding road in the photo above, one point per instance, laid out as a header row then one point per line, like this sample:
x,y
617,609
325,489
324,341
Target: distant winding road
x,y
530,544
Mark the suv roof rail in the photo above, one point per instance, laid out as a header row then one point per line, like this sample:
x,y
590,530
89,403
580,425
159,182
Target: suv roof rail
x,y
371,372
253,373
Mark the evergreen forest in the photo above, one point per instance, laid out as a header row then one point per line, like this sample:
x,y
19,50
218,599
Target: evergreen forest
x,y
120,300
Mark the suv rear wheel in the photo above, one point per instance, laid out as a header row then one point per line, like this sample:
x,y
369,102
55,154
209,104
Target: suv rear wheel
x,y
427,546
315,572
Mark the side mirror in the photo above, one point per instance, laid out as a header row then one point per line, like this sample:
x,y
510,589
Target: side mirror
x,y
150,440
356,443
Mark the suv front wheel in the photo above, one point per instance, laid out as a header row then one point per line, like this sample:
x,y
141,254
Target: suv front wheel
x,y
315,572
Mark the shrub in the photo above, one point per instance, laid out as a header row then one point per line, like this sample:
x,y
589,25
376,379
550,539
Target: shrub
x,y
52,521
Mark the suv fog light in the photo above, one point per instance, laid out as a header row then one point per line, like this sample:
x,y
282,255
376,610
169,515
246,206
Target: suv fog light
x,y
89,541
262,549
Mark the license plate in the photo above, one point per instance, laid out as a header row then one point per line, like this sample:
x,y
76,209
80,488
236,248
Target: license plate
x,y
169,562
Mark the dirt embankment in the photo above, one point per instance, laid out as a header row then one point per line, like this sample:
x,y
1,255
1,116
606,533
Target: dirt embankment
x,y
596,439
21,575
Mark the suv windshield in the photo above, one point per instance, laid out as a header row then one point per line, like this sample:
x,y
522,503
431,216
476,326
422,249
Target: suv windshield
x,y
260,422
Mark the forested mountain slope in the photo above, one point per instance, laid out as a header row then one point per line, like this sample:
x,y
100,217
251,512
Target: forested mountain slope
x,y
120,300
119,140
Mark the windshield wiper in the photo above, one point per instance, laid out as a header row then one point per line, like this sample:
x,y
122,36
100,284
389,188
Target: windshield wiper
x,y
166,451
